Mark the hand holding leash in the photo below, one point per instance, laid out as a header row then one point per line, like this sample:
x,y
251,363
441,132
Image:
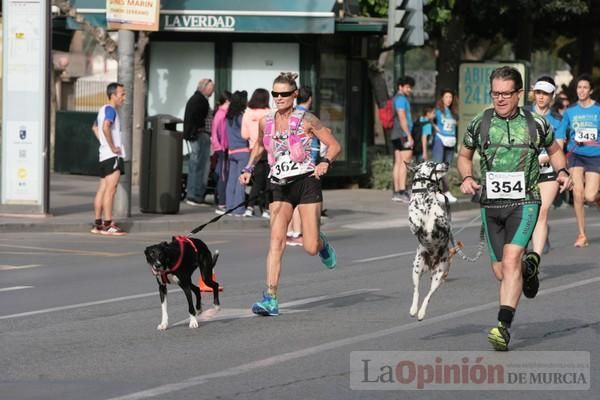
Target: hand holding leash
x,y
469,185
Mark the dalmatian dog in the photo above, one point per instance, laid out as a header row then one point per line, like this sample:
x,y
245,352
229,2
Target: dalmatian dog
x,y
429,221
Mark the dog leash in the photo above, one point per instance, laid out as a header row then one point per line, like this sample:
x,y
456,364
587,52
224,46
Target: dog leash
x,y
459,247
229,211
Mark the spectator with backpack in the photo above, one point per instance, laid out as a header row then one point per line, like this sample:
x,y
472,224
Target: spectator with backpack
x,y
444,142
401,137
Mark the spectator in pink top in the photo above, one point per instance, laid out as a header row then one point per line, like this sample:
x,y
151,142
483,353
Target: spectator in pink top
x,y
258,107
220,145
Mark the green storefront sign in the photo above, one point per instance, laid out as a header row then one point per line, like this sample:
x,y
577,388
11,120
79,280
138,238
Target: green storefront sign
x,y
237,16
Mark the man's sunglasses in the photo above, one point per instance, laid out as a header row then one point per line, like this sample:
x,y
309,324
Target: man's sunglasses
x,y
282,94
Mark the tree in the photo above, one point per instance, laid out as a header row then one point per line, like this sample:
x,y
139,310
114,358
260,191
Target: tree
x,y
483,27
479,29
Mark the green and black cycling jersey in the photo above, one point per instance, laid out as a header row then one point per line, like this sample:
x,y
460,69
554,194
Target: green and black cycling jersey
x,y
509,148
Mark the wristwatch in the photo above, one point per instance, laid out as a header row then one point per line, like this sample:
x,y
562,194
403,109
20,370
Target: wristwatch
x,y
563,169
326,160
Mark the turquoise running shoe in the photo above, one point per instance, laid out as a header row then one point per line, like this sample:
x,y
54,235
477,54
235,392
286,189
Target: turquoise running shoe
x,y
268,307
327,254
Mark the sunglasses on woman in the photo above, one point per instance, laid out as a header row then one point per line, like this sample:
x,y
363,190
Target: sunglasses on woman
x,y
282,94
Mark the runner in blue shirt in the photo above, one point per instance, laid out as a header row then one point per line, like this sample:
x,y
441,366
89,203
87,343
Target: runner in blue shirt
x,y
401,137
580,127
444,142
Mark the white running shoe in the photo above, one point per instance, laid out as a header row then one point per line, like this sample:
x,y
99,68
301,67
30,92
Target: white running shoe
x,y
451,198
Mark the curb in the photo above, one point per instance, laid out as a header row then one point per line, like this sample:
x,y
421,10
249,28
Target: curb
x,y
185,223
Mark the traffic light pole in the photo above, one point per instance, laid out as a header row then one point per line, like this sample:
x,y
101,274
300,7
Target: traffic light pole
x,y
398,64
122,205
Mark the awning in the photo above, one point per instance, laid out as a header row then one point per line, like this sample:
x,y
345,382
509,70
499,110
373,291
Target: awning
x,y
362,25
236,16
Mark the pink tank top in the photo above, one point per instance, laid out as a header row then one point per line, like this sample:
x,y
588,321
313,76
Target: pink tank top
x,y
289,152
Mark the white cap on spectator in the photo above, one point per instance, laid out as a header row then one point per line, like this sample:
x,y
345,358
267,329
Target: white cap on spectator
x,y
544,86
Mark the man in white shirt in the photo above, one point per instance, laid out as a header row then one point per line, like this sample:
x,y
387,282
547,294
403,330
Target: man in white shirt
x,y
107,129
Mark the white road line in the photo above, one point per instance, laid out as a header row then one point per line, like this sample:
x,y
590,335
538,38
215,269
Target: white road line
x,y
284,357
142,295
366,260
69,251
406,253
87,304
9,289
4,267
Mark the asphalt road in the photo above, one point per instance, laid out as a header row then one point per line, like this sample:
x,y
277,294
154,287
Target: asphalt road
x,y
78,317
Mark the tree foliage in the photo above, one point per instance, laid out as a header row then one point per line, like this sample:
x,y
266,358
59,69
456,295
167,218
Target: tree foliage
x,y
374,8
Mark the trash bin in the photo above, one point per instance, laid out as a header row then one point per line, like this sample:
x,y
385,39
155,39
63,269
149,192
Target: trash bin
x,y
161,164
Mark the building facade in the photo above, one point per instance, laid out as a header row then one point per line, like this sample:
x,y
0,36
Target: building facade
x,y
244,45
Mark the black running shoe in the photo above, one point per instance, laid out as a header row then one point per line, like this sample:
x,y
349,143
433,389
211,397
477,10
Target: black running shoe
x,y
531,282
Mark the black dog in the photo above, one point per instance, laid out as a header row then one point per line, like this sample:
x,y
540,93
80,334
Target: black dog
x,y
175,262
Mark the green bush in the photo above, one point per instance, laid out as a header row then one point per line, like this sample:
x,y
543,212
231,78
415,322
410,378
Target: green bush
x,y
381,172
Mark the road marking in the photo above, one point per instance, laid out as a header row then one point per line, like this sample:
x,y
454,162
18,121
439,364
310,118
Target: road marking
x,y
142,295
366,260
87,304
4,267
8,289
284,357
406,253
70,251
236,313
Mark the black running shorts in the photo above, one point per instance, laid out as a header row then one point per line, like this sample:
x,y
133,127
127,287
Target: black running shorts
x,y
306,190
110,165
399,144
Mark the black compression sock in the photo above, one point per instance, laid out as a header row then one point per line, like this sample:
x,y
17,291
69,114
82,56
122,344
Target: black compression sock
x,y
506,315
98,221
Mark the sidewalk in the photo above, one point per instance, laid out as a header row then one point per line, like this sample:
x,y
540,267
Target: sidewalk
x,y
71,210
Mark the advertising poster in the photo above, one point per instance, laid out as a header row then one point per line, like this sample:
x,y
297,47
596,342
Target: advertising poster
x,y
135,15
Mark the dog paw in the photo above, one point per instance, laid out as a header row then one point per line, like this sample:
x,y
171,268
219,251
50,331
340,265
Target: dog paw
x,y
413,311
162,326
193,322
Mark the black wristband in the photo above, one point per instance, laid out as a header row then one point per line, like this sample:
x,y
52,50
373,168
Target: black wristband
x,y
326,160
466,177
563,169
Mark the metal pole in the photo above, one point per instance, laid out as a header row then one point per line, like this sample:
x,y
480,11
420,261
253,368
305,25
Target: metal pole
x,y
398,64
122,205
